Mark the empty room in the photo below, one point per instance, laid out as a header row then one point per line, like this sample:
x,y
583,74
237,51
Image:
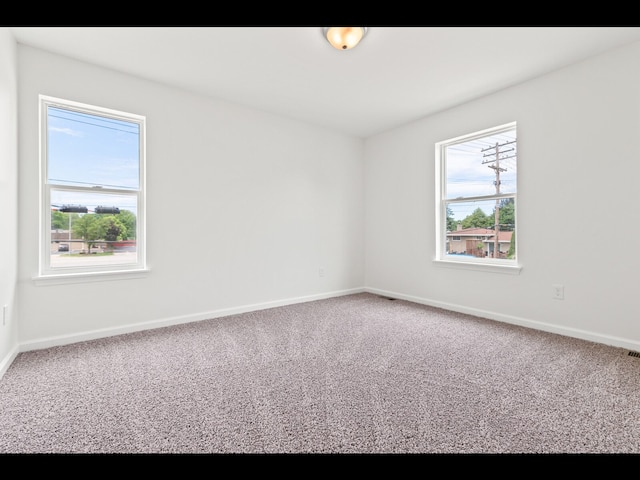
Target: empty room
x,y
319,240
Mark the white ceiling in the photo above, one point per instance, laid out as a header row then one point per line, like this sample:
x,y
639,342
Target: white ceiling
x,y
396,75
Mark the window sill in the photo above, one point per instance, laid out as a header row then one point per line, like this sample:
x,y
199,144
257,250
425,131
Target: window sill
x,y
58,279
477,266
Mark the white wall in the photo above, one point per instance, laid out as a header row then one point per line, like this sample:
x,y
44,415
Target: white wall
x,y
243,209
8,199
578,177
273,201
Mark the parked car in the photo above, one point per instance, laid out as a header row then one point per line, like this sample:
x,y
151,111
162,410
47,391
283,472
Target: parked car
x,y
63,247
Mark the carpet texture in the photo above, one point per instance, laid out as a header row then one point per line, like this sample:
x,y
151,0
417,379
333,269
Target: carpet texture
x,y
353,374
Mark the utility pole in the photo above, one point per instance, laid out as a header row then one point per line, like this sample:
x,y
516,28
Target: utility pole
x,y
497,168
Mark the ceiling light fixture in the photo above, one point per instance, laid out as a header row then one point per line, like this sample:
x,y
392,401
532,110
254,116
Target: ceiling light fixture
x,y
344,38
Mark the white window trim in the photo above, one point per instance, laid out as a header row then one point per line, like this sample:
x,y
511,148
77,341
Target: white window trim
x,y
479,265
493,265
60,279
47,274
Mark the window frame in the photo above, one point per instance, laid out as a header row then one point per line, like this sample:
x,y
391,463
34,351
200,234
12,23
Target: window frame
x,y
475,263
70,273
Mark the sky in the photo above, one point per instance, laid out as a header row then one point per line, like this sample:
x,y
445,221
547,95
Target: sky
x,y
468,172
91,151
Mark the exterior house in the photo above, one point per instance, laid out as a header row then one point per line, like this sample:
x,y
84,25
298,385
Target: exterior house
x,y
63,238
61,241
478,242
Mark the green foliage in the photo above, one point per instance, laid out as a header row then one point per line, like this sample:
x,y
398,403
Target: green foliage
x,y
95,227
478,219
507,214
113,228
128,221
512,246
451,222
89,228
59,220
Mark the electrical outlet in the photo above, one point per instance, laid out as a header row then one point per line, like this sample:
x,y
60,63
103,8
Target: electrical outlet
x,y
321,272
558,292
5,308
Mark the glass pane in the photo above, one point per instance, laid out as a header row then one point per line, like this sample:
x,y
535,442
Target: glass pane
x,y
483,166
472,227
87,150
89,229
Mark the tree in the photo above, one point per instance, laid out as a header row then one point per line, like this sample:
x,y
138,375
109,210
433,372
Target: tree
x,y
452,224
128,220
512,246
89,228
59,220
107,227
507,214
477,219
113,228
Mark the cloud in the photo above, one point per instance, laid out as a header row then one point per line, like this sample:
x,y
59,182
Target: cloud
x,y
66,131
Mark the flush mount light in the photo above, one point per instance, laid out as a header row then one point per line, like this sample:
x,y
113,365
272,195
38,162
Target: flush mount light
x,y
344,38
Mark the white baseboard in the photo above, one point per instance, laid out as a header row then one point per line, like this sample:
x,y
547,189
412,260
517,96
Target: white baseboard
x,y
546,327
6,362
108,332
165,322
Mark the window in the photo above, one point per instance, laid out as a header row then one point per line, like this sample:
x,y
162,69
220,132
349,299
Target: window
x,y
92,181
476,197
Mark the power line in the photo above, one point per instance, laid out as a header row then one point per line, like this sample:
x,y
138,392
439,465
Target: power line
x,y
133,126
497,152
